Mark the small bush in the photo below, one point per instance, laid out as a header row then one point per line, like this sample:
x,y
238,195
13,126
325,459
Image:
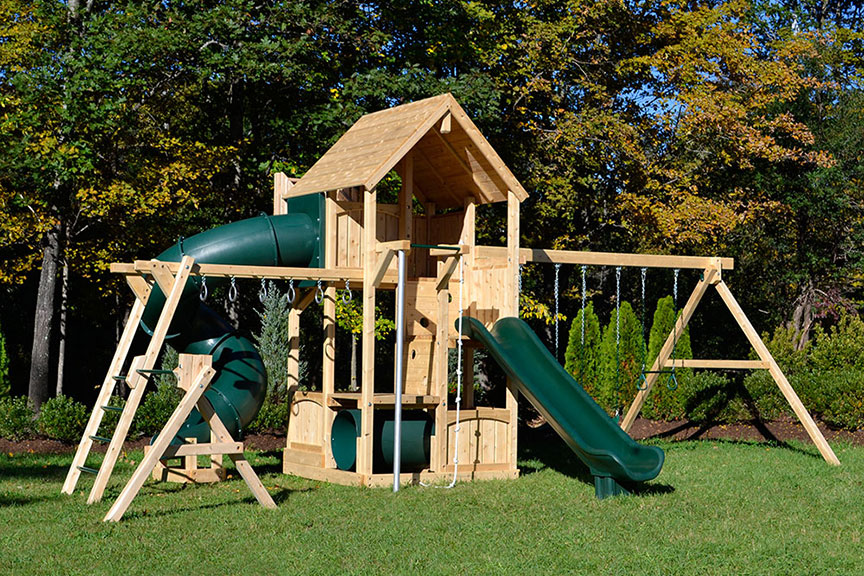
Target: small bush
x,y
273,416
157,407
16,418
843,393
708,398
584,364
620,364
665,403
62,418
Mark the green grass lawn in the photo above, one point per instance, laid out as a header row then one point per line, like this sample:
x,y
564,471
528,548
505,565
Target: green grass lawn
x,y
716,508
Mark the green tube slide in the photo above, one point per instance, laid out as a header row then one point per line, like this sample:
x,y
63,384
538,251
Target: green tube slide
x,y
238,389
610,454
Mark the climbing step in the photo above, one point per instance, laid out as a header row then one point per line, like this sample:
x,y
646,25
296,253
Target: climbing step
x,y
88,470
144,372
112,408
102,439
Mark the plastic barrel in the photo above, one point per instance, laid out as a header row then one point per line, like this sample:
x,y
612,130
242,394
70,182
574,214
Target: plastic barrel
x,y
416,435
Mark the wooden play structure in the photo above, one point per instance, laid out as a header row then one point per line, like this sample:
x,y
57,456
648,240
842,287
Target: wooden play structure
x,y
447,170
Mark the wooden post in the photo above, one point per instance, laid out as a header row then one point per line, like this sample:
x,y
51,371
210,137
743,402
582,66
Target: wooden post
x,y
511,308
438,457
370,260
469,238
788,392
328,362
281,186
709,276
137,381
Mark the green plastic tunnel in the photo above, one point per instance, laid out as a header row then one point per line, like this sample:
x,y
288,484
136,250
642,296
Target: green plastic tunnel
x,y
417,430
238,389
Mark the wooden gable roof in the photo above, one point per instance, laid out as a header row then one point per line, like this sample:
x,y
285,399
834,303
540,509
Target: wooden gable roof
x,y
452,159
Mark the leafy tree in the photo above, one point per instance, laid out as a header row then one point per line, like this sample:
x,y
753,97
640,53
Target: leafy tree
x,y
583,361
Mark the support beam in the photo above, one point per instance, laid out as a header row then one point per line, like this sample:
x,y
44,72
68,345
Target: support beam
x,y
788,392
608,258
370,261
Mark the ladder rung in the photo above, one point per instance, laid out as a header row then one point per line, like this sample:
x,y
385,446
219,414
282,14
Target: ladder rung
x,y
88,470
143,371
119,378
100,439
112,408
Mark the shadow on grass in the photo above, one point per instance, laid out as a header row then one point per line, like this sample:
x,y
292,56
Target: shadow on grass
x,y
541,448
279,497
698,432
41,471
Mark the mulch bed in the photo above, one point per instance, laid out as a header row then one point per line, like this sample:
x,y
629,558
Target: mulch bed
x,y
778,431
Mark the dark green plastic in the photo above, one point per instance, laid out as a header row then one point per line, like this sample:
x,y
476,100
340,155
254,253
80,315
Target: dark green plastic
x,y
606,449
416,437
238,389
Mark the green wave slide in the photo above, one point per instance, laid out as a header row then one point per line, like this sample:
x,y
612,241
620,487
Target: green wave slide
x,y
610,454
238,389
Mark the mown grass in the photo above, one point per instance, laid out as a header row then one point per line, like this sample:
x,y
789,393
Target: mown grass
x,y
717,508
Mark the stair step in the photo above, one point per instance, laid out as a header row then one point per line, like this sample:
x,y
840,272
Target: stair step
x,y
88,470
119,378
112,408
100,439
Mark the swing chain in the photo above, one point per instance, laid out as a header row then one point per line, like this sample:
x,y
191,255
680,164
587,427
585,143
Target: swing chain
x,y
291,294
232,291
203,292
557,272
672,381
262,292
640,383
347,296
319,293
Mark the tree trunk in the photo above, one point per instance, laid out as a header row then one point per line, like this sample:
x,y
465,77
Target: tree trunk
x,y
43,323
353,386
61,348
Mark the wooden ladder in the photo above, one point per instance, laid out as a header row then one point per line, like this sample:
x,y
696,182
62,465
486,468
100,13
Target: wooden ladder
x,y
194,374
137,377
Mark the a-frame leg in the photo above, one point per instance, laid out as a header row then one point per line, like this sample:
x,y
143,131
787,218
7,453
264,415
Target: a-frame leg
x,y
163,441
776,373
138,381
243,467
709,276
92,428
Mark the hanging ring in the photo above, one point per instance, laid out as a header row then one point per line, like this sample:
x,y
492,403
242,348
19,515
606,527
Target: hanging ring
x,y
262,293
202,294
672,382
347,296
232,291
291,294
319,293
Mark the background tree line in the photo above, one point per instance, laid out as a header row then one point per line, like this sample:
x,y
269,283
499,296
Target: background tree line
x,y
661,126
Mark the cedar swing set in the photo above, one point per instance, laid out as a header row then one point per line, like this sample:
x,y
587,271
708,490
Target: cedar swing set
x,y
423,248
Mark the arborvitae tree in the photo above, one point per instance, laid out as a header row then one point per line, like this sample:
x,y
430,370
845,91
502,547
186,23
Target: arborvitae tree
x,y
619,373
665,402
584,364
273,340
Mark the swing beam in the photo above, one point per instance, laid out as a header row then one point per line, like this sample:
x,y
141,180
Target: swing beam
x,y
712,268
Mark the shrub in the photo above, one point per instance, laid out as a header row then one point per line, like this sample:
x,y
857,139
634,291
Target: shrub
x,y
157,407
62,418
273,415
16,417
841,346
620,365
665,402
584,364
842,397
709,397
